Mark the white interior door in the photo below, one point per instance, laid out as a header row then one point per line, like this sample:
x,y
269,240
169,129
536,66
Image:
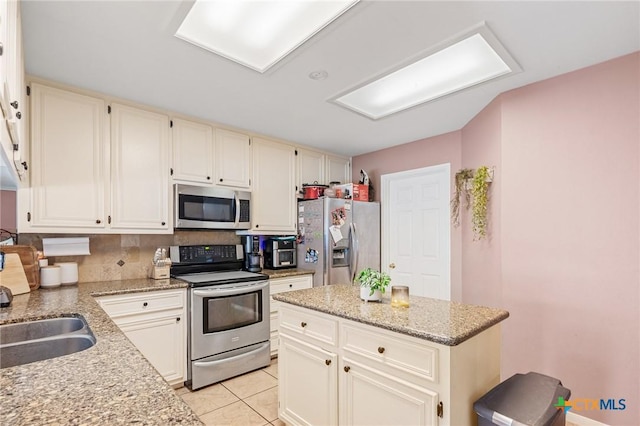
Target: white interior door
x,y
416,246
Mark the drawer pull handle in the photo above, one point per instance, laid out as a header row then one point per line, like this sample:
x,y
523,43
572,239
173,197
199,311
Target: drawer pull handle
x,y
303,324
178,319
346,368
380,350
145,304
327,361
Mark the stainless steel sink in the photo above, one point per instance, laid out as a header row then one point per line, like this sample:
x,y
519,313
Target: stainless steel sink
x,y
31,330
31,341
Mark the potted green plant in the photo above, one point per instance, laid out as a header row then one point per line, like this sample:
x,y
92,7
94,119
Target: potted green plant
x,y
461,178
480,201
372,284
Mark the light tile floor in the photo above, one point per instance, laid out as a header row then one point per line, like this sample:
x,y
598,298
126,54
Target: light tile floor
x,y
247,400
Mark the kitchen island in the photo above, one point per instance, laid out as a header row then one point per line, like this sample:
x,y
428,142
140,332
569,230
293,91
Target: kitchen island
x,y
109,383
371,363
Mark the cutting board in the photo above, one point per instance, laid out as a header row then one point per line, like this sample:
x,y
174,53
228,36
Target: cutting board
x,y
13,276
29,258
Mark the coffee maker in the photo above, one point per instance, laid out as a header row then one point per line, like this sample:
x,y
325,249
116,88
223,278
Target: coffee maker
x,y
252,256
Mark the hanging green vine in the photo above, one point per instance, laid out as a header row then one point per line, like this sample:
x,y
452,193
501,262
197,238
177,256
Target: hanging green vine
x,y
461,179
480,194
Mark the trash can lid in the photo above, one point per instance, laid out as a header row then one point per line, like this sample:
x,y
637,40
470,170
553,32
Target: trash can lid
x,y
523,398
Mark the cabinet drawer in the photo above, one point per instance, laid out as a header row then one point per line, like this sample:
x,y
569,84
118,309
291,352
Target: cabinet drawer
x,y
279,285
400,353
139,303
308,326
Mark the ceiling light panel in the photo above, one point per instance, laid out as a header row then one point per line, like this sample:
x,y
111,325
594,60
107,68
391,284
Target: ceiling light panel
x,y
465,63
257,33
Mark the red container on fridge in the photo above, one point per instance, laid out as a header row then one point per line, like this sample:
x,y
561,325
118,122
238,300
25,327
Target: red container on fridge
x,y
313,191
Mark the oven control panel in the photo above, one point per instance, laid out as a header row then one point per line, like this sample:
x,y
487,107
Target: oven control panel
x,y
202,253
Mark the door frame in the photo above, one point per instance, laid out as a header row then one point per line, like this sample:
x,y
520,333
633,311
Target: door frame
x,y
385,181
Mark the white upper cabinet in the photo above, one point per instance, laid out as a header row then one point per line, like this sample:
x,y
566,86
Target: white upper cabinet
x,y
233,159
140,169
69,173
310,167
12,88
338,169
274,195
192,151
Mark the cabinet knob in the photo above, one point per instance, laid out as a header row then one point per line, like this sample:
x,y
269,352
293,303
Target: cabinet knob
x,y
327,361
18,115
98,221
145,304
380,350
163,223
178,319
346,368
221,180
290,285
303,324
392,266
208,177
14,104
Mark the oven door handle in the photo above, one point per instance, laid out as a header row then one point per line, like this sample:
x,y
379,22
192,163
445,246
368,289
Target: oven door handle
x,y
234,359
227,291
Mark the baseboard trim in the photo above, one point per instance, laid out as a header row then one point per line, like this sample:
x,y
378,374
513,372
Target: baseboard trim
x,y
582,421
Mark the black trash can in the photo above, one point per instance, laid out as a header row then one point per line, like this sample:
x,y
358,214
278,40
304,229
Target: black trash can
x,y
523,399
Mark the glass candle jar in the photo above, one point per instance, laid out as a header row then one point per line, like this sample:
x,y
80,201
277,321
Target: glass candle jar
x,y
400,296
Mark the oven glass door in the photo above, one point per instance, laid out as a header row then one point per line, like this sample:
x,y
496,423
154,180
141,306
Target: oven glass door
x,y
229,312
227,317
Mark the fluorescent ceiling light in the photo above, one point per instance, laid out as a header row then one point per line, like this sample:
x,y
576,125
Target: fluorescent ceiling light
x,y
257,33
467,62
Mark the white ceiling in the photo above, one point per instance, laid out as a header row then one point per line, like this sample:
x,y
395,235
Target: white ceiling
x,y
127,49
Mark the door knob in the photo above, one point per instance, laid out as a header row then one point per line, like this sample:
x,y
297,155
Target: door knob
x,y
392,266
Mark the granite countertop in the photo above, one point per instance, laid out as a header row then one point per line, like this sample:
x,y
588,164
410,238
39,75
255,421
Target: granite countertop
x,y
107,384
281,273
439,321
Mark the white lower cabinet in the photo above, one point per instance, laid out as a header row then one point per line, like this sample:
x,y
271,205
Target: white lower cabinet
x,y
308,385
280,285
383,377
155,322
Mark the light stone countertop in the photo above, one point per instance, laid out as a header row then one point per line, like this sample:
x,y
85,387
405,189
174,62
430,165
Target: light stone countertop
x,y
286,272
439,321
108,384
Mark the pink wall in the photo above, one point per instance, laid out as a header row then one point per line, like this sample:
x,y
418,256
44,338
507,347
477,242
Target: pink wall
x,y
8,210
564,249
570,217
423,153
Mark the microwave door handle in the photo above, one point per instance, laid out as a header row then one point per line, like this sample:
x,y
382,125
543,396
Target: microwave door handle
x,y
237,200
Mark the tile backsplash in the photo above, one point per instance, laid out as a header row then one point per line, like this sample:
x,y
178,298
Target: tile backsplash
x,y
126,256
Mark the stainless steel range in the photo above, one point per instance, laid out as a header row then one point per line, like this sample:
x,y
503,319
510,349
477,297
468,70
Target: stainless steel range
x,y
228,322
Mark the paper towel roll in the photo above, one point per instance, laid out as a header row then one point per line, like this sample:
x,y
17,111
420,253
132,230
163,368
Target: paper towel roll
x,y
50,276
68,273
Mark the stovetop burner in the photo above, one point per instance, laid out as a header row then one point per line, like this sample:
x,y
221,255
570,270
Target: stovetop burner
x,y
201,265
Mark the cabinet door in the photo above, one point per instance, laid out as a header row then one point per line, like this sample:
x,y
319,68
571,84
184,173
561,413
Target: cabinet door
x,y
274,195
192,151
338,169
281,285
310,167
161,339
233,159
307,383
140,170
369,397
69,159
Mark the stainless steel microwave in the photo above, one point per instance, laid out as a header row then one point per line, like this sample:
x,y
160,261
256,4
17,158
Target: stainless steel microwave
x,y
199,207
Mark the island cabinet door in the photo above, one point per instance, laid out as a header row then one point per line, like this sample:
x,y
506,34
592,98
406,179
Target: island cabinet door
x,y
371,397
307,384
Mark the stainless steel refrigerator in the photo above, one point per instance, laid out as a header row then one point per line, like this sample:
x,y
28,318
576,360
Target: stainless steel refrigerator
x,y
338,238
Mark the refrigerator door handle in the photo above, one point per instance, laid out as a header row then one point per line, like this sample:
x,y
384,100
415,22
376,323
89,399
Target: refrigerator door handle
x,y
353,262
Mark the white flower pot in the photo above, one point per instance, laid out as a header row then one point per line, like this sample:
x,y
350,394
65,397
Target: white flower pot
x,y
367,297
